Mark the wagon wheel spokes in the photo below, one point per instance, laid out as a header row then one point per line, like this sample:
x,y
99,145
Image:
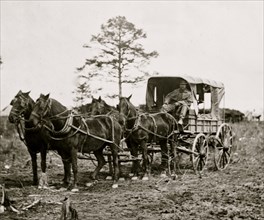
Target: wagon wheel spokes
x,y
198,164
223,146
199,153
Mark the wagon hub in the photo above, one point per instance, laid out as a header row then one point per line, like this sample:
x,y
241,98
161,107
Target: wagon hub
x,y
203,153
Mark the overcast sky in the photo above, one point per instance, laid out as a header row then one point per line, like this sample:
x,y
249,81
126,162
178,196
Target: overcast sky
x,y
41,44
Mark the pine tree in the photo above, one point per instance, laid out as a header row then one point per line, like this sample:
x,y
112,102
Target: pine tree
x,y
120,56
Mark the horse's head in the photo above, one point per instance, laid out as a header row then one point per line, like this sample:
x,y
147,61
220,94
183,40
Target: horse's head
x,y
85,109
21,106
98,106
126,108
41,109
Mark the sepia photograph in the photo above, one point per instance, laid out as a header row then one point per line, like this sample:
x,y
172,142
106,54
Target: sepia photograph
x,y
132,110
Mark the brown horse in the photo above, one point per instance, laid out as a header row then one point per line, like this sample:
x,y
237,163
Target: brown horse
x,y
147,128
69,133
85,109
100,107
22,106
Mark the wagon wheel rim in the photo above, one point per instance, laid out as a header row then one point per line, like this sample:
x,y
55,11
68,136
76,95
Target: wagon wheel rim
x,y
200,153
179,167
223,146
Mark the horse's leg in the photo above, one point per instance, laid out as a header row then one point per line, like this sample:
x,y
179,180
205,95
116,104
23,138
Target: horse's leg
x,y
175,158
114,151
67,169
43,182
66,160
164,157
101,162
74,161
34,167
146,164
134,152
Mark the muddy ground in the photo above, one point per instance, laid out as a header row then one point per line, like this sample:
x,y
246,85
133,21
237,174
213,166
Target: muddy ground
x,y
235,193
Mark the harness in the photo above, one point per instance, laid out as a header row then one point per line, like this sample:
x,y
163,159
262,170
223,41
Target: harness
x,y
140,126
21,128
68,126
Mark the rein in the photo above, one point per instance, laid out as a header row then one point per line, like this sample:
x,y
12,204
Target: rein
x,y
97,137
66,128
20,132
139,126
22,128
69,125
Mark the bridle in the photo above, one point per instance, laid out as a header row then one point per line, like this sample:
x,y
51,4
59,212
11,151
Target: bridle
x,y
19,114
19,117
128,111
44,113
43,120
98,109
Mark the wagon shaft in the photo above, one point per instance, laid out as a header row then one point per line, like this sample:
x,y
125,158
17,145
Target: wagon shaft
x,y
186,150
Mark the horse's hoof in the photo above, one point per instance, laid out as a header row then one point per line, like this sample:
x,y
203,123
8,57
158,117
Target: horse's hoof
x,y
163,175
131,174
134,178
75,190
64,184
39,187
122,179
89,184
45,187
63,189
109,178
174,176
145,178
2,209
114,186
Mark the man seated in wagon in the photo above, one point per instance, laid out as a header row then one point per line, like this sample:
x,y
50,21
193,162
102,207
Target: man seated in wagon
x,y
178,101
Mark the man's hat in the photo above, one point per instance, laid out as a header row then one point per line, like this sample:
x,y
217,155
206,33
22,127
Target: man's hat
x,y
183,82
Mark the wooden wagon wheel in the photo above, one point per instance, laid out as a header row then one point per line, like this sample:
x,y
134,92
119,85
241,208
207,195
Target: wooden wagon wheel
x,y
200,152
223,146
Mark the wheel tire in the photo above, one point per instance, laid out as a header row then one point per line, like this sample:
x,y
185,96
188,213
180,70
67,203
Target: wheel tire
x,y
200,151
223,146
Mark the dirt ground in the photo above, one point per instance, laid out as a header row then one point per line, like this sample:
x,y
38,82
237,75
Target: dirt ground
x,y
235,193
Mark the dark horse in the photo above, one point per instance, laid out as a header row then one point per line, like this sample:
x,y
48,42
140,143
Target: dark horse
x,y
100,107
69,133
85,109
22,106
146,128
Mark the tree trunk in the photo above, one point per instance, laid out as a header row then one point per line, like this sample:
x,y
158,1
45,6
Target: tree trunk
x,y
119,84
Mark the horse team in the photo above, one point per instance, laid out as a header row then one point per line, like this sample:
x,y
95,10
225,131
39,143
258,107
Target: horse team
x,y
48,125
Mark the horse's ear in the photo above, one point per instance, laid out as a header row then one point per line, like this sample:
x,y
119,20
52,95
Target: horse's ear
x,y
20,92
47,96
26,93
129,97
99,99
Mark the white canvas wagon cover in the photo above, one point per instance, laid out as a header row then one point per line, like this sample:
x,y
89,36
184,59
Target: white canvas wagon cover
x,y
159,86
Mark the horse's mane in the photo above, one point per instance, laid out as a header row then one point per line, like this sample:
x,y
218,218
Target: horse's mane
x,y
56,106
130,105
109,107
106,107
31,104
85,108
